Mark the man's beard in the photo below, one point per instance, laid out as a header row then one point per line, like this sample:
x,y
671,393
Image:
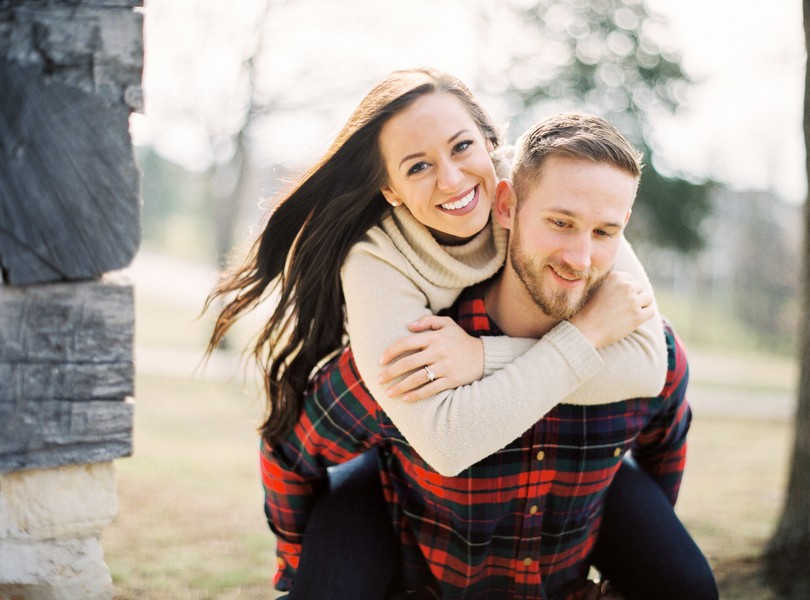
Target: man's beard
x,y
559,304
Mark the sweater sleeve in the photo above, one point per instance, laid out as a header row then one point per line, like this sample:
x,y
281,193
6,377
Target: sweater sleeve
x,y
456,428
635,366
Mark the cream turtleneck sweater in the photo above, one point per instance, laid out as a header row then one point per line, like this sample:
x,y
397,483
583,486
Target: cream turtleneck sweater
x,y
398,273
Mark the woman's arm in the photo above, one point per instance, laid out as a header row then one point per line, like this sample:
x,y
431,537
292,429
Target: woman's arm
x,y
383,294
456,428
635,364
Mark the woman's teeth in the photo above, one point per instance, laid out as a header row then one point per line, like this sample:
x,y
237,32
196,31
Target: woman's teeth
x,y
460,203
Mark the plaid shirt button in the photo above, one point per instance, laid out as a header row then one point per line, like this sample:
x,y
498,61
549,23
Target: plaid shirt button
x,y
527,562
533,509
541,455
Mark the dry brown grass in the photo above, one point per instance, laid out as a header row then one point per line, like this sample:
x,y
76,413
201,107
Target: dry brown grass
x,y
190,524
732,495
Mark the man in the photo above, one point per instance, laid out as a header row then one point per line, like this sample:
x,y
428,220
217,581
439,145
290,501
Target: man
x,y
523,522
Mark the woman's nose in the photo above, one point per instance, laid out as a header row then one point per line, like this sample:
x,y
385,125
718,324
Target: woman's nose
x,y
449,176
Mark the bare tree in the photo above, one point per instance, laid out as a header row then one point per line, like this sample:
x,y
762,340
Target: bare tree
x,y
786,557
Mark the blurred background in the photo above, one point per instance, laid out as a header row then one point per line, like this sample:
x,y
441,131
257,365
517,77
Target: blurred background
x,y
240,97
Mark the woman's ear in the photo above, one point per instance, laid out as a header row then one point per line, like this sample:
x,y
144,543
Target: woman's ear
x,y
390,196
505,203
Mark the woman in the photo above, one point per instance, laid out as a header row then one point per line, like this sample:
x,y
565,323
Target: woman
x,y
335,247
335,236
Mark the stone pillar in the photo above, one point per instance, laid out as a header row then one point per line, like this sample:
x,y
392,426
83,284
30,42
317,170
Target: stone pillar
x,y
50,523
66,367
70,73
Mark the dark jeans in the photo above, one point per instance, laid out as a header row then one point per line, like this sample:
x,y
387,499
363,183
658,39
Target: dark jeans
x,y
643,548
350,551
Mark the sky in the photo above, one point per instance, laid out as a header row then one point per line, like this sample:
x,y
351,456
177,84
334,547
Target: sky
x,y
741,123
744,124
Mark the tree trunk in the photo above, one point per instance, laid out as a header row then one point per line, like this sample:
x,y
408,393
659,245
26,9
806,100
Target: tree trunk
x,y
786,558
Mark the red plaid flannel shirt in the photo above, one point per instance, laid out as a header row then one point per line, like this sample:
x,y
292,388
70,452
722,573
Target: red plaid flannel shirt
x,y
520,523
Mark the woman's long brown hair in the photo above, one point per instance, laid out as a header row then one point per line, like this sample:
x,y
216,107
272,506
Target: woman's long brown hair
x,y
307,237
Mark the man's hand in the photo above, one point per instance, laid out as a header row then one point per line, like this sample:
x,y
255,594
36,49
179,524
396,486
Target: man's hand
x,y
615,310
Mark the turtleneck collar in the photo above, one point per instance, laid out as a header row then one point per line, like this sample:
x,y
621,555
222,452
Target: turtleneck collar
x,y
459,265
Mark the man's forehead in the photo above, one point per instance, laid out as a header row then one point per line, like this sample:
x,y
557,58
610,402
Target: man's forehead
x,y
581,188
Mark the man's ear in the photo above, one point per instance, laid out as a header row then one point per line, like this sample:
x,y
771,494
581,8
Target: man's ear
x,y
505,204
390,196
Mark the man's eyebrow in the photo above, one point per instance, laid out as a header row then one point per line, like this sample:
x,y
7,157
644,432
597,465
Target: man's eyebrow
x,y
449,141
573,215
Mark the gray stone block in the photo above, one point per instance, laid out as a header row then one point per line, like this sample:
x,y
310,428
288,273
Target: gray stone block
x,y
66,373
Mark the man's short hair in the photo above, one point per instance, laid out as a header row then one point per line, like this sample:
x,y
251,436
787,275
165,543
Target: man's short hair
x,y
572,135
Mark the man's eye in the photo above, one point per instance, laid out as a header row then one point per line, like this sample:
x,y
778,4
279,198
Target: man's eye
x,y
417,168
602,233
558,223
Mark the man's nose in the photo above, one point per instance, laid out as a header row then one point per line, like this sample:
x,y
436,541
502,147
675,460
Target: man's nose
x,y
577,253
449,176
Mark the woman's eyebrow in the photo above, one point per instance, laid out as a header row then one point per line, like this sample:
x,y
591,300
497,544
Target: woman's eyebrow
x,y
460,133
411,157
449,141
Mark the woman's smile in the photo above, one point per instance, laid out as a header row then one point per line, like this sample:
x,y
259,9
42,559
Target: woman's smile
x,y
463,205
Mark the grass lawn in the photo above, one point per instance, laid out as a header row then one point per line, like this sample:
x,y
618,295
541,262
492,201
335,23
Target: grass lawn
x,y
732,495
190,523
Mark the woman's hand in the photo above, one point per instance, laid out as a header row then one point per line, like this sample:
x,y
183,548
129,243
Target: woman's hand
x,y
453,358
615,310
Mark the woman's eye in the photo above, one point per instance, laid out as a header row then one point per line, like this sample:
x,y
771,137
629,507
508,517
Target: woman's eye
x,y
462,146
417,168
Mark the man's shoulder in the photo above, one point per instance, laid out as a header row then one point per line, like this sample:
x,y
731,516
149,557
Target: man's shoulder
x,y
676,350
338,377
677,361
470,312
337,388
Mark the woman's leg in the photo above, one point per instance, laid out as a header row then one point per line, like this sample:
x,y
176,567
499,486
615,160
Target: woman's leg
x,y
643,548
349,550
